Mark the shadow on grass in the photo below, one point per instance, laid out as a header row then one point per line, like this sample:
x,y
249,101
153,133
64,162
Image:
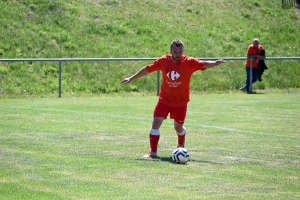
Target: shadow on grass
x,y
169,160
254,92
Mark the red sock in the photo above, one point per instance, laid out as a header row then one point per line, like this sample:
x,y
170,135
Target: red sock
x,y
181,139
154,142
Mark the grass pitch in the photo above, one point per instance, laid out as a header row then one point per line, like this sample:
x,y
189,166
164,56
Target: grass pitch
x,y
241,147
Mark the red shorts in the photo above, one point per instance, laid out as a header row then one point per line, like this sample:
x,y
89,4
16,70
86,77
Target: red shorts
x,y
176,113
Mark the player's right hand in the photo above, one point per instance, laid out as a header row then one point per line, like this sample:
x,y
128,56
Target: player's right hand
x,y
126,80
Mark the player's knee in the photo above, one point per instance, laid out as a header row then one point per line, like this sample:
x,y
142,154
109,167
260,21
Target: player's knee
x,y
157,123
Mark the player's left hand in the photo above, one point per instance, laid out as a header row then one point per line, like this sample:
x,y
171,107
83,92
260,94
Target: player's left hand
x,y
220,61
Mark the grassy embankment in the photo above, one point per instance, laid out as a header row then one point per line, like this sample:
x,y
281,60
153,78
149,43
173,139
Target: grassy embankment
x,y
95,29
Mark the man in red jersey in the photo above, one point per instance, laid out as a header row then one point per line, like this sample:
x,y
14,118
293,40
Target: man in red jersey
x,y
177,70
253,52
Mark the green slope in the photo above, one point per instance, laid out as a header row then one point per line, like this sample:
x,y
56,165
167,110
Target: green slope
x,y
104,28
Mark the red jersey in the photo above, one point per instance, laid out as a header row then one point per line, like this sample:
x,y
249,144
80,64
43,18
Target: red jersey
x,y
253,50
175,87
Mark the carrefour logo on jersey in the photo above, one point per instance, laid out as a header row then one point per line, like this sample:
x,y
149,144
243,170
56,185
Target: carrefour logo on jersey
x,y
173,75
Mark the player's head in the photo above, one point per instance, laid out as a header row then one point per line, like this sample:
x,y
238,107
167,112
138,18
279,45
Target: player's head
x,y
176,49
256,42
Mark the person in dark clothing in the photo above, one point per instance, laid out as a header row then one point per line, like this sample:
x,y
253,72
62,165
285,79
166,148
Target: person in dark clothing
x,y
253,52
261,65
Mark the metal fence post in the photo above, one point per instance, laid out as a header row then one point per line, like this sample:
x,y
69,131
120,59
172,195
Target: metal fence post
x,y
59,78
250,78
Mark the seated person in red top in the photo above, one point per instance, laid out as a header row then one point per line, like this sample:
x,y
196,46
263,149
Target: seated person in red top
x,y
254,50
177,70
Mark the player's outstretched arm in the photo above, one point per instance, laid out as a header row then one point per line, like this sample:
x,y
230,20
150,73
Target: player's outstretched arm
x,y
139,74
211,64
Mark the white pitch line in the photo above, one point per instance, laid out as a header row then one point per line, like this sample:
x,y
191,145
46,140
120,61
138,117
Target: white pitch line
x,y
243,131
150,119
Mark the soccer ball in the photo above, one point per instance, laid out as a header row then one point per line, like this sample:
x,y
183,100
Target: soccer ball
x,y
180,155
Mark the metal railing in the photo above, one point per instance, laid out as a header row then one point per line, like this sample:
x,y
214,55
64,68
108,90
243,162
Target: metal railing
x,y
61,60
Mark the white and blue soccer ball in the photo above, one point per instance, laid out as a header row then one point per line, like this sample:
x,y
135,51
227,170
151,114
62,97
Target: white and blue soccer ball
x,y
180,155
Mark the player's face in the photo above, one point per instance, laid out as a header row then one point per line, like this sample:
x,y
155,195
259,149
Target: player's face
x,y
176,52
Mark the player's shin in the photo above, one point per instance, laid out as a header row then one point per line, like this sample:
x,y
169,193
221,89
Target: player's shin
x,y
154,138
181,138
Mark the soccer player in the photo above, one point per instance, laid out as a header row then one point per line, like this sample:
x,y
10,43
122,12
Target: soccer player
x,y
177,70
